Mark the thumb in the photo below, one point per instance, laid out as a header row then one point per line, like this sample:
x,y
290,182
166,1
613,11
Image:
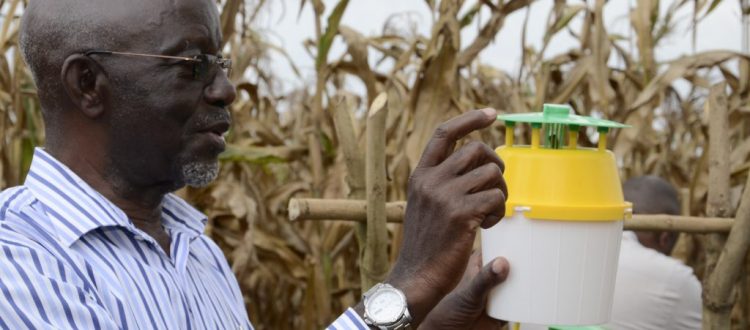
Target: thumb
x,y
492,274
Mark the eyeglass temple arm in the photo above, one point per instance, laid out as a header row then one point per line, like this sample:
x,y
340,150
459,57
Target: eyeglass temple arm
x,y
107,52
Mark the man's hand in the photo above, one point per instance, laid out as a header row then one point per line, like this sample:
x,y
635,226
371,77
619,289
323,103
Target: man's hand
x,y
451,194
464,308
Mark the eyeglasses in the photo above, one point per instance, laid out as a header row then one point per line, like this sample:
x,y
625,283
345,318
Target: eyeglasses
x,y
203,64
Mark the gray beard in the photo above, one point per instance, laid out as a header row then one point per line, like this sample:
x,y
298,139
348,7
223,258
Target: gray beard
x,y
199,174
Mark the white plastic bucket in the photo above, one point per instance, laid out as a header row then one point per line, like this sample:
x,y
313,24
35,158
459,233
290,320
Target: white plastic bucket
x,y
561,272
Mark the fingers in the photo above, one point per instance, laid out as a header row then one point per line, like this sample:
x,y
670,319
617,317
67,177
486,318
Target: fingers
x,y
472,268
472,155
490,276
488,205
444,139
487,176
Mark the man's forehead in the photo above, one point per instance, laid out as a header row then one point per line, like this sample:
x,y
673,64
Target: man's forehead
x,y
167,20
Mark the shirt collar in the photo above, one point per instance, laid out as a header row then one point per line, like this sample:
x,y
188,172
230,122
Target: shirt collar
x,y
76,208
177,214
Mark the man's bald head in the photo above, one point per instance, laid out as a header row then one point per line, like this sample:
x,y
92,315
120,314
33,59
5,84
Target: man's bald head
x,y
653,195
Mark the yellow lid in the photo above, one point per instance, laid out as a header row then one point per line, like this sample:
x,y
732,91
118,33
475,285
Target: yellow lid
x,y
563,184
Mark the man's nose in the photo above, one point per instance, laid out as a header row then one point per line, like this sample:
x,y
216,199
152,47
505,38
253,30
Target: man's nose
x,y
221,90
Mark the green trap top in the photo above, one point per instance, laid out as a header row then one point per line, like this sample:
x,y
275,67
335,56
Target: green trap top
x,y
558,114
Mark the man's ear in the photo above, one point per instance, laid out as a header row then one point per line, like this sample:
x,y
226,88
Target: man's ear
x,y
667,241
84,82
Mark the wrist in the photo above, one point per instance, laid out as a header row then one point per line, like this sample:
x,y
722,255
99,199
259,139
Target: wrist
x,y
421,298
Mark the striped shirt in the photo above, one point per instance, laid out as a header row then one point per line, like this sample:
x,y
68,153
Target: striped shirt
x,y
71,259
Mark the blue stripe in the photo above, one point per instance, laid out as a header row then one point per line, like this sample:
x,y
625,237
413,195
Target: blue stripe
x,y
176,248
219,265
90,272
64,304
7,203
29,286
11,243
121,311
355,319
12,303
138,249
94,319
163,264
175,218
188,319
37,263
61,270
67,224
3,325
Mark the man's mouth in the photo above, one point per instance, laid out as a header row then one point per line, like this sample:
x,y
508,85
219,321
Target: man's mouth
x,y
218,128
216,133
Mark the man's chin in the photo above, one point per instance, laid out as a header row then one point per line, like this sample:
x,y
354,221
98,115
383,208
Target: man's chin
x,y
200,174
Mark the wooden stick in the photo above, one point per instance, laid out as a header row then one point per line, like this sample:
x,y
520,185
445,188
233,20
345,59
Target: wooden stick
x,y
717,306
375,264
719,284
675,223
356,210
340,209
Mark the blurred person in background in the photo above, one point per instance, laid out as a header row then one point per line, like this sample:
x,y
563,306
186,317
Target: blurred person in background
x,y
653,290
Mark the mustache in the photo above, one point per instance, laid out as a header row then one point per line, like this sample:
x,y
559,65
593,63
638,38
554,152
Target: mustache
x,y
213,117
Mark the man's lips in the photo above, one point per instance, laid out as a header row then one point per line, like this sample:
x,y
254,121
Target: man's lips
x,y
215,134
218,128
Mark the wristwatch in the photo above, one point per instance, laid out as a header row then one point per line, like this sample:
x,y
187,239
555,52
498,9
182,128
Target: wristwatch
x,y
385,308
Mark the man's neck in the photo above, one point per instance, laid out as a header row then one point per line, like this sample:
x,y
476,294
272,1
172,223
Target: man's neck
x,y
138,203
143,206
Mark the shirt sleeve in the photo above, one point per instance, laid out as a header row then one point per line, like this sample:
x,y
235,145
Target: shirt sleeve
x,y
350,320
38,291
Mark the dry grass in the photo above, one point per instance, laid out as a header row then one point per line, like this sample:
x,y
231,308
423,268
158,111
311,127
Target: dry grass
x,y
299,276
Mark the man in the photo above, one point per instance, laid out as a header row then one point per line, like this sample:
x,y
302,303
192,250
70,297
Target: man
x,y
134,101
653,290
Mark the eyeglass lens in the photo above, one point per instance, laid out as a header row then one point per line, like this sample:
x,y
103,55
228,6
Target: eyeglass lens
x,y
205,65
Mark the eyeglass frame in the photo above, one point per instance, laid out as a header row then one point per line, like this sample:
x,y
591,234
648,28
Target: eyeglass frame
x,y
223,63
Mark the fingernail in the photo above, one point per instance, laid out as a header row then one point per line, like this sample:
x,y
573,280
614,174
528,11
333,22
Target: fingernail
x,y
499,267
491,113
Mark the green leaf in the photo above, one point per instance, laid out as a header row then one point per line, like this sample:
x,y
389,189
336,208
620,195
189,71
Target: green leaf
x,y
325,42
568,14
467,18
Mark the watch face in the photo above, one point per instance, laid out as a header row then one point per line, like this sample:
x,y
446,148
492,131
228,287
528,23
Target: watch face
x,y
385,306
